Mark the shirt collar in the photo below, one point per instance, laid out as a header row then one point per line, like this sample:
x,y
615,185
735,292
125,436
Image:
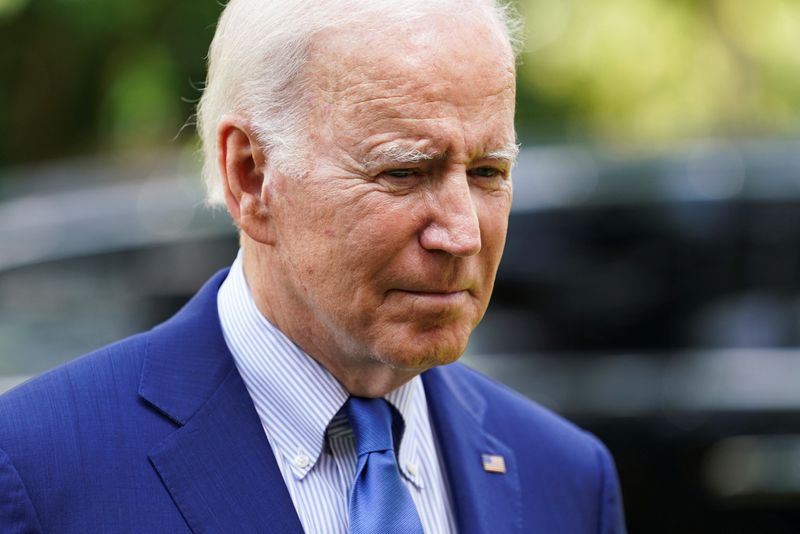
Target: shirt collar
x,y
409,399
297,398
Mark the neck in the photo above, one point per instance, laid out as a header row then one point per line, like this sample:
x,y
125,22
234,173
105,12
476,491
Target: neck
x,y
362,375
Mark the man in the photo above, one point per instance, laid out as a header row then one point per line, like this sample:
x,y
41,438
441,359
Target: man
x,y
364,150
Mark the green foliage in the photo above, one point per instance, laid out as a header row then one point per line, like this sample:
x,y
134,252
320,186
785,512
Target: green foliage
x,y
84,75
638,71
140,102
9,8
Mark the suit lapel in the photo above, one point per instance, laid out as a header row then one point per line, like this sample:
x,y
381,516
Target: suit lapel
x,y
483,501
218,465
220,469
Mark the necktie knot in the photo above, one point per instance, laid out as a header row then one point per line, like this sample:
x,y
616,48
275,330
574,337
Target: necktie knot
x,y
371,420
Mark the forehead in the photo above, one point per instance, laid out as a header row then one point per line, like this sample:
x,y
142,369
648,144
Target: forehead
x,y
436,81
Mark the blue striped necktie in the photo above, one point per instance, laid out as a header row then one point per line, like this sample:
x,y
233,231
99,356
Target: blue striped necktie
x,y
379,501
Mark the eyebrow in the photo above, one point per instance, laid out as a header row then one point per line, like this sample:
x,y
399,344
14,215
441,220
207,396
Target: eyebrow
x,y
397,153
508,153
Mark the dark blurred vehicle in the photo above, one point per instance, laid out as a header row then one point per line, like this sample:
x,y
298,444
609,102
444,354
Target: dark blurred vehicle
x,y
654,301
92,251
657,303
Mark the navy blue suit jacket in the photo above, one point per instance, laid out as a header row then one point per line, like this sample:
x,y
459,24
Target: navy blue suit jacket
x,y
157,433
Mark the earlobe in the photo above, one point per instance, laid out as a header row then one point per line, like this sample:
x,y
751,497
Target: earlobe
x,y
242,165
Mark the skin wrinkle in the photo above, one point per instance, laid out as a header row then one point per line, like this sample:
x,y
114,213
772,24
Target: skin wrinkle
x,y
279,97
380,277
397,152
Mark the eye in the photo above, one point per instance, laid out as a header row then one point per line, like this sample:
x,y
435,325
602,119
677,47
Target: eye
x,y
487,172
400,173
401,180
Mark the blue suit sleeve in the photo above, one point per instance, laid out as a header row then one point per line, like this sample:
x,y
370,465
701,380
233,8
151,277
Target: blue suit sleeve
x,y
612,517
17,515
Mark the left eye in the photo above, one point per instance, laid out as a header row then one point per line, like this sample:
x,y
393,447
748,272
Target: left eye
x,y
486,172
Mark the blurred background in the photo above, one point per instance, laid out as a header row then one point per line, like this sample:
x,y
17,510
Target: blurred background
x,y
651,286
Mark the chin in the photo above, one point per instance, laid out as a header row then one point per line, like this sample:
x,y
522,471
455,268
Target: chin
x,y
424,353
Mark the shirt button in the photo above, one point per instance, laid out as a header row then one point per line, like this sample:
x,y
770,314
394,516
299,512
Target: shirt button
x,y
412,469
301,461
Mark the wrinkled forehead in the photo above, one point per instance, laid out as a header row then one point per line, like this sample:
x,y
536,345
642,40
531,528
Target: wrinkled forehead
x,y
434,49
428,78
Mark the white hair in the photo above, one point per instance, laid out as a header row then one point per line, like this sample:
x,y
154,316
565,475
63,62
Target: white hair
x,y
257,58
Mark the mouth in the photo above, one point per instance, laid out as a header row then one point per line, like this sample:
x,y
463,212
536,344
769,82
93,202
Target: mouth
x,y
436,295
432,291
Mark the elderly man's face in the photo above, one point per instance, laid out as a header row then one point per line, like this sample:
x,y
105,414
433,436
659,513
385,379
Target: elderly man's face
x,y
388,248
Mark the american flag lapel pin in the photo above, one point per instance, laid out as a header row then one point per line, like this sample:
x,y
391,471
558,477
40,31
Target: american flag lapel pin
x,y
493,463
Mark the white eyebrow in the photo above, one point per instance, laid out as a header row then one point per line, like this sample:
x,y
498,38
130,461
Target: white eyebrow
x,y
396,153
508,153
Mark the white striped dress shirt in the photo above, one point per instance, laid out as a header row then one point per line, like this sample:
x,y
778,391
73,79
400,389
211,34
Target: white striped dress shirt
x,y
300,406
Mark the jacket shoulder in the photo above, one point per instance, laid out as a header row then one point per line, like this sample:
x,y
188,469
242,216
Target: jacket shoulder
x,y
110,370
506,408
76,405
556,459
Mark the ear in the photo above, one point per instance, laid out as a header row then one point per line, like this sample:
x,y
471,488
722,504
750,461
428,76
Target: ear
x,y
242,165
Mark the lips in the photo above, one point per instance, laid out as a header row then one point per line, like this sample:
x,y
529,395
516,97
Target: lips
x,y
438,285
435,288
436,296
433,292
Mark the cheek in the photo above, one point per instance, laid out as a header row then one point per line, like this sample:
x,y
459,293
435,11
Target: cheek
x,y
494,223
314,223
380,225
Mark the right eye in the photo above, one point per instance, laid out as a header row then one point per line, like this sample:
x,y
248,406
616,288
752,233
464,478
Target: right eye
x,y
400,173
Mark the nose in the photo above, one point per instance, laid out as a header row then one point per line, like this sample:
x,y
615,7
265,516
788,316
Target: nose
x,y
454,226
